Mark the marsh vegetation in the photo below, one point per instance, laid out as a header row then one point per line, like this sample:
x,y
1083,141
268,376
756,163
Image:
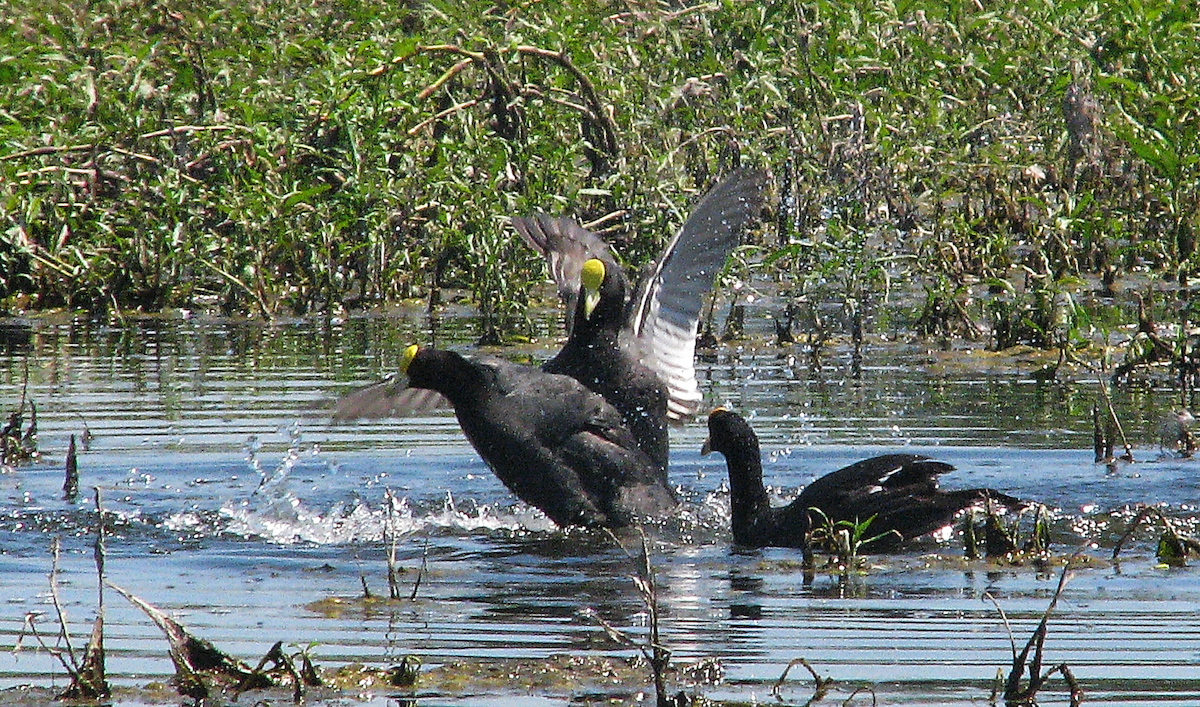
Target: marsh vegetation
x,y
1020,177
1027,171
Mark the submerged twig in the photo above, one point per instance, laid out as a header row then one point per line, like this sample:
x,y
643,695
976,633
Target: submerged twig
x,y
63,634
821,685
1133,526
279,659
91,681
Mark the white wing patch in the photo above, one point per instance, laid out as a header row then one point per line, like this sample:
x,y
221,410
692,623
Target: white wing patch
x,y
668,347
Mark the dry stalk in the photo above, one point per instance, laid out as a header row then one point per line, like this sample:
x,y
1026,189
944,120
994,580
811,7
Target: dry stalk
x,y
390,530
71,473
655,653
821,685
421,572
1101,380
1014,692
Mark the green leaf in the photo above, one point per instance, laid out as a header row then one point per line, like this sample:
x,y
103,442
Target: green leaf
x,y
1156,151
303,196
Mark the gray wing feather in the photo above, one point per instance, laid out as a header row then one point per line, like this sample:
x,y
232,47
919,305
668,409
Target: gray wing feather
x,y
669,299
566,246
390,397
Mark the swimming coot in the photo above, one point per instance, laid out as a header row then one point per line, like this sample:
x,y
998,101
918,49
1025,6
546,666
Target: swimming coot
x,y
899,490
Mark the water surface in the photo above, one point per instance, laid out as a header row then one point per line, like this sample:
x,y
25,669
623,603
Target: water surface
x,y
235,506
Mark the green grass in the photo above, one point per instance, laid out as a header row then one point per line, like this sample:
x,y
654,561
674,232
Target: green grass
x,y
281,157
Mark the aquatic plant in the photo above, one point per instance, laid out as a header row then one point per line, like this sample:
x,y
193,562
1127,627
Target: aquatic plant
x,y
1103,432
1172,549
18,439
844,540
1001,533
71,472
203,670
88,678
1019,689
656,654
405,673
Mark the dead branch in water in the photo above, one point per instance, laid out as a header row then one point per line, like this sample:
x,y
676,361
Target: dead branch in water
x,y
821,685
1016,693
198,663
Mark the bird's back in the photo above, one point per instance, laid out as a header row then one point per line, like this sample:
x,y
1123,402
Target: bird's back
x,y
563,448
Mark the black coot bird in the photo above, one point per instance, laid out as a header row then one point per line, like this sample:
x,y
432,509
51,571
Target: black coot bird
x,y
634,348
656,321
553,442
899,490
597,356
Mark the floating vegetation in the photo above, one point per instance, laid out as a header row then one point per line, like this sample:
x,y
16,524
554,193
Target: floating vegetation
x,y
1173,547
556,674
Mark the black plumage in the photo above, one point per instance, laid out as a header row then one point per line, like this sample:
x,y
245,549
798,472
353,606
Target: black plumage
x,y
654,324
554,443
633,351
596,356
660,316
899,490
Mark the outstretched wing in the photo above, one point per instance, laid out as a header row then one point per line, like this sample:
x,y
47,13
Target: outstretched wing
x,y
566,246
390,397
667,304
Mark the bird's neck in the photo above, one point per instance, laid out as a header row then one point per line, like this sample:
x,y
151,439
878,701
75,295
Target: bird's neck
x,y
603,326
747,495
449,374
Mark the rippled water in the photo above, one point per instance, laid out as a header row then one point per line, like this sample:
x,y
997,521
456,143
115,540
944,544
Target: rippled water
x,y
236,507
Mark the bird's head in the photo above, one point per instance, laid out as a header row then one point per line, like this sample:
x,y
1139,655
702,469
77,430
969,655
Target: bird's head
x,y
590,280
407,358
729,432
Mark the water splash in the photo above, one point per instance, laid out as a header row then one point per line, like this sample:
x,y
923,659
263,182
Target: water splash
x,y
289,520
